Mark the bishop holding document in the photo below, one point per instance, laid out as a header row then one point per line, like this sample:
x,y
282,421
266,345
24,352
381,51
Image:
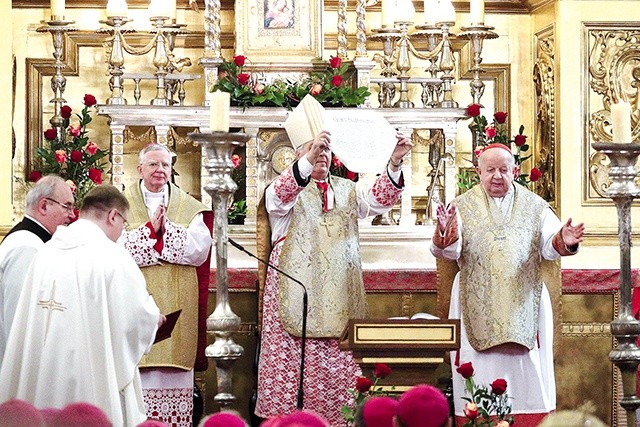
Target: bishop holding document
x,y
313,219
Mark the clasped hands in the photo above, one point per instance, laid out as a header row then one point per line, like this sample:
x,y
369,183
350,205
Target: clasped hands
x,y
157,222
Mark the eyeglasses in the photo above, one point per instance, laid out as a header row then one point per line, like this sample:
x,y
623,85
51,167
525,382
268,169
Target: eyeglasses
x,y
68,206
157,165
125,223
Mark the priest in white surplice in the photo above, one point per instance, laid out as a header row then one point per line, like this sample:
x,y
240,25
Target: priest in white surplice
x,y
498,232
314,231
49,204
168,239
85,319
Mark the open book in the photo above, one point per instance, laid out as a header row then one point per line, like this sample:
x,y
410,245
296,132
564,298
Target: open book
x,y
416,316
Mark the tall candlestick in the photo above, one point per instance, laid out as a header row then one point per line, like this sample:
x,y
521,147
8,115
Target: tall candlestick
x,y
219,111
477,12
388,17
621,122
57,10
406,11
117,8
430,11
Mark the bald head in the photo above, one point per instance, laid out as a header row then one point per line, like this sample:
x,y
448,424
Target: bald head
x,y
497,170
50,202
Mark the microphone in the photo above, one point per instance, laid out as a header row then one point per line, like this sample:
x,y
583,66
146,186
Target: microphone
x,y
305,307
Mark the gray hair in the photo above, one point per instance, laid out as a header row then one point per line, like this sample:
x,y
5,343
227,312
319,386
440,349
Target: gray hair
x,y
45,187
153,147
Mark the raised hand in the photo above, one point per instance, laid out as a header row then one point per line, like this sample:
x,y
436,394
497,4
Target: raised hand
x,y
321,145
445,215
572,235
403,146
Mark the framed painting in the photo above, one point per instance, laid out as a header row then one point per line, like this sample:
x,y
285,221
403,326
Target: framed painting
x,y
279,30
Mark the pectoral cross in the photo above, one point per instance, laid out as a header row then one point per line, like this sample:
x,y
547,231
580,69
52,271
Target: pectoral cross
x,y
51,305
326,224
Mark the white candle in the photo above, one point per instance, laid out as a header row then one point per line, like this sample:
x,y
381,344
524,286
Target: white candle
x,y
117,8
477,12
219,111
158,8
171,8
430,10
57,10
446,12
387,13
406,11
621,122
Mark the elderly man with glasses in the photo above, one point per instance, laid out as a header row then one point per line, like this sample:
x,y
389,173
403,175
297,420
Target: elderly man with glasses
x,y
168,239
49,204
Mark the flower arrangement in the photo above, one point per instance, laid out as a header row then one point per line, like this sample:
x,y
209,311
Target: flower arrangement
x,y
238,208
68,152
338,168
248,89
496,132
364,389
487,406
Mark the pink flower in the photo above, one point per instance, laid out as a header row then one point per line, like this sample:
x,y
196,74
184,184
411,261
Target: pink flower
x,y
65,111
479,149
315,89
490,132
239,60
336,80
335,62
76,156
61,156
503,423
258,88
535,174
89,100
473,110
35,176
236,161
471,410
50,134
95,175
72,185
520,140
74,130
91,148
337,162
500,117
243,78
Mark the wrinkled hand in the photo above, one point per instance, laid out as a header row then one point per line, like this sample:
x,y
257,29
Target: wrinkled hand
x,y
445,215
403,146
321,143
161,320
158,218
572,235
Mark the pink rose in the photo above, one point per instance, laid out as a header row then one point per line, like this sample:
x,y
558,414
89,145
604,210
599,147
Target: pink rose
x,y
520,140
35,176
500,117
381,370
336,80
335,62
89,100
76,156
466,370
61,156
65,111
316,89
258,88
95,175
337,162
91,148
239,60
503,423
72,185
473,110
363,384
479,149
499,386
490,132
50,134
535,174
243,78
236,160
74,130
471,410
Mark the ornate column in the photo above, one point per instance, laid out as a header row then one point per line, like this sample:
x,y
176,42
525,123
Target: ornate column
x,y
212,48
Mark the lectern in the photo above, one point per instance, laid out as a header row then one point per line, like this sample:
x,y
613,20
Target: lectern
x,y
414,349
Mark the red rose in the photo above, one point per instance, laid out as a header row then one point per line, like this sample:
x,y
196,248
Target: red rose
x,y
381,370
352,175
315,89
76,156
490,132
473,110
500,117
65,111
89,100
243,78
335,62
76,214
95,175
91,148
61,156
35,176
535,174
239,60
363,384
520,140
336,80
471,410
236,161
466,370
499,386
50,134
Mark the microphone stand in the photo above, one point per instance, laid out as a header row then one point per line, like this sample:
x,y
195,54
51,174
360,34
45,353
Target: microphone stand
x,y
305,307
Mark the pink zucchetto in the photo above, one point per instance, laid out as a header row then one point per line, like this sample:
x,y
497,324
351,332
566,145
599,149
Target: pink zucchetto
x,y
223,419
302,419
379,411
81,415
423,406
152,423
495,145
18,413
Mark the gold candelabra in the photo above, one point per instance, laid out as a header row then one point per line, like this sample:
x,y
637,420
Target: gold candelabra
x,y
477,34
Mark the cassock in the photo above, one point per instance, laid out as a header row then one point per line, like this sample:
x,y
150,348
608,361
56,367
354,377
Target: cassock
x,y
84,323
168,262
16,252
315,239
499,238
